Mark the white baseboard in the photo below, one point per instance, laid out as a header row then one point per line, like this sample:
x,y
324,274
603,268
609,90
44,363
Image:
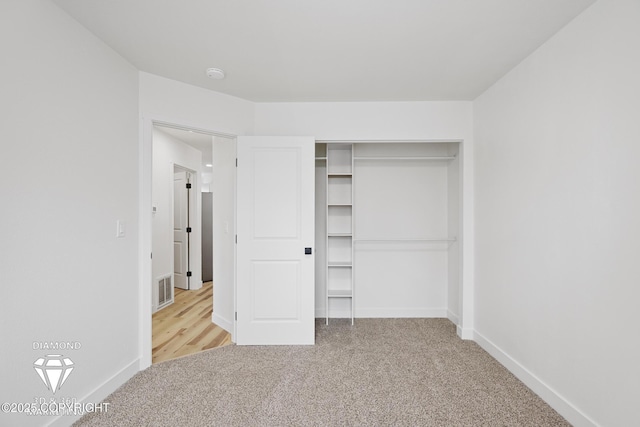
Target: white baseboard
x,y
100,392
401,312
465,334
453,317
386,313
335,314
222,322
553,398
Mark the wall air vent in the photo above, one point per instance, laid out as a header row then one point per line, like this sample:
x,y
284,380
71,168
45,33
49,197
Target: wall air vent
x,y
165,291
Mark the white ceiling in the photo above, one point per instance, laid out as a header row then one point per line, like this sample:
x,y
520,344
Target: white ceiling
x,y
200,141
328,50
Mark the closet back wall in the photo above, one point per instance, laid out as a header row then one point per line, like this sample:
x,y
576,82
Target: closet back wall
x,y
403,242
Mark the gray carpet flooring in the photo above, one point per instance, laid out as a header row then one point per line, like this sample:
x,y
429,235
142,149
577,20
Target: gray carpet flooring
x,y
380,372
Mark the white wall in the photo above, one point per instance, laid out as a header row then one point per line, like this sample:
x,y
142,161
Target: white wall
x,y
68,114
366,120
401,200
558,208
224,202
168,101
390,121
321,238
454,201
167,152
183,104
207,179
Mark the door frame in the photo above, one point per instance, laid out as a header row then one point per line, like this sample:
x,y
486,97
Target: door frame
x,y
145,228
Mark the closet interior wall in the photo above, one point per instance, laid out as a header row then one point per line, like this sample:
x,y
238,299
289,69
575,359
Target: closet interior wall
x,y
404,236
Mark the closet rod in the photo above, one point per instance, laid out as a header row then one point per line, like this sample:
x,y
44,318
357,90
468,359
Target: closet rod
x,y
405,158
406,240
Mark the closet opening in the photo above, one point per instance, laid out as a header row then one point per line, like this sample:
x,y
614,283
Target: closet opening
x,y
388,231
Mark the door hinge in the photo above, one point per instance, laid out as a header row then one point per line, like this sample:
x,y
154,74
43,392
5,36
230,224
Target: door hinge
x,y
188,274
236,162
236,239
236,315
188,229
151,255
188,185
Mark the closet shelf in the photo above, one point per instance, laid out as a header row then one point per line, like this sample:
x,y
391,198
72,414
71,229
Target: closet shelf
x,y
339,294
339,224
336,264
404,158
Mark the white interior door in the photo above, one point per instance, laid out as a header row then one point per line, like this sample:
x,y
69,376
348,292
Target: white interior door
x,y
180,224
275,277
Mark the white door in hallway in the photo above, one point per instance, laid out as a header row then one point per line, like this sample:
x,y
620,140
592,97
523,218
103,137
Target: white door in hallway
x,y
180,224
275,261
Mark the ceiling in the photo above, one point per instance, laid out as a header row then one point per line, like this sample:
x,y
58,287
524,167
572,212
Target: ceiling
x,y
200,141
328,50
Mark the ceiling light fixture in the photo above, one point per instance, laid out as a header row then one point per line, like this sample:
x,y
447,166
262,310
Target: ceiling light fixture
x,y
209,165
215,73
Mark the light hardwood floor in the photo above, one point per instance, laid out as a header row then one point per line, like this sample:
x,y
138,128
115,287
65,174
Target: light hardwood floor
x,y
185,326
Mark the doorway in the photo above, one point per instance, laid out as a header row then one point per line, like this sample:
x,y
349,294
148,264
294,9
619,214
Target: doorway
x,y
181,156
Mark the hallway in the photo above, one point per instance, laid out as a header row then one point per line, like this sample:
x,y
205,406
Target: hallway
x,y
185,326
